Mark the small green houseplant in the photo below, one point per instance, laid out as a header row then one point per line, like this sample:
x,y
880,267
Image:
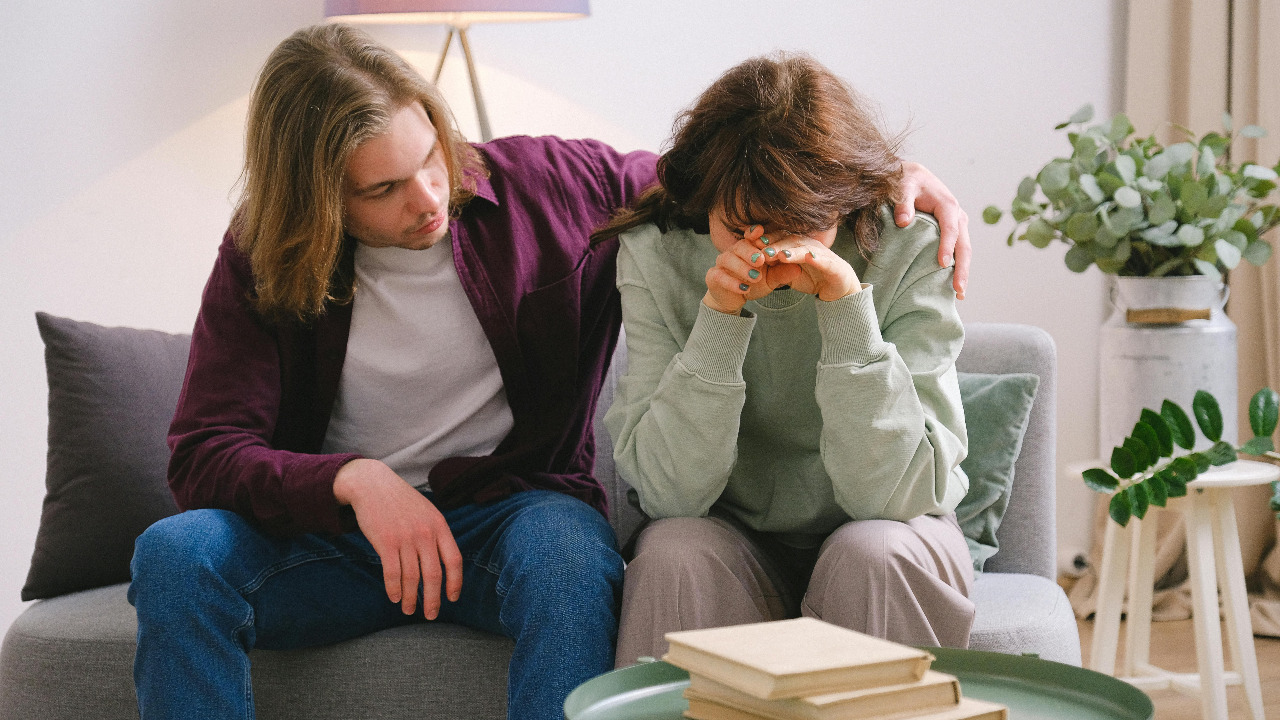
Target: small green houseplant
x,y
1136,208
1144,471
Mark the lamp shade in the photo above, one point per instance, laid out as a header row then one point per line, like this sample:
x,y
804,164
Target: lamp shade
x,y
460,13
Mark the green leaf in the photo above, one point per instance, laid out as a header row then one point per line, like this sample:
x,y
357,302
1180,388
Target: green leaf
x,y
1228,254
1163,208
1119,128
1124,248
1109,183
1122,463
1120,508
1258,172
1040,233
1258,446
1203,462
1144,432
1082,227
1089,184
1026,189
1086,148
991,215
1206,268
1184,469
1126,168
1207,160
1055,177
1083,115
1179,424
1128,197
1164,438
1221,453
1264,411
1138,499
1157,491
1193,196
1208,415
1190,235
1078,259
1100,480
1142,456
1253,131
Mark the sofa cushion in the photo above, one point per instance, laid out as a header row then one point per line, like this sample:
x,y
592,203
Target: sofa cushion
x,y
112,392
67,655
1020,613
996,411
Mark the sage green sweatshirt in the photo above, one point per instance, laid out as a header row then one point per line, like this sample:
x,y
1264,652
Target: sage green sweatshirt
x,y
798,415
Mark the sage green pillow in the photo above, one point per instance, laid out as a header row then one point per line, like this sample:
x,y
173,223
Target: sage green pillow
x,y
996,411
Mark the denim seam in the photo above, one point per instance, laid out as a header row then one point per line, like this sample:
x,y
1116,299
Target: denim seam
x,y
287,564
248,676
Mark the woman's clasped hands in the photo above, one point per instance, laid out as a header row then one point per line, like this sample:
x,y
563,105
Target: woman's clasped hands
x,y
753,263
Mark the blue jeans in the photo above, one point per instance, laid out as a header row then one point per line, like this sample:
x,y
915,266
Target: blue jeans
x,y
539,566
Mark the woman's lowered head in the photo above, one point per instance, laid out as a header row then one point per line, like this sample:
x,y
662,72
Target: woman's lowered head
x,y
778,141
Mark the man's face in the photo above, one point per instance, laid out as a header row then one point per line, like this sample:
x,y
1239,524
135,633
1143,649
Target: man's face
x,y
396,191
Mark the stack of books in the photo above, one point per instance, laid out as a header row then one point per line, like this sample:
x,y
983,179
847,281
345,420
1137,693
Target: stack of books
x,y
806,669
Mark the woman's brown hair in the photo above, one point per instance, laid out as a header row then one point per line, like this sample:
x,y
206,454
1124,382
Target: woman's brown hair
x,y
323,92
776,139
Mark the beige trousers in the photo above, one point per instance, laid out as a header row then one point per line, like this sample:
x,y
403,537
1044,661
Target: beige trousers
x,y
905,581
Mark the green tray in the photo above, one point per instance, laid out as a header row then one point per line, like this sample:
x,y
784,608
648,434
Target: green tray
x,y
1033,689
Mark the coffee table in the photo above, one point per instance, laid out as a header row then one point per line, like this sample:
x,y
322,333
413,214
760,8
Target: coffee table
x,y
1032,688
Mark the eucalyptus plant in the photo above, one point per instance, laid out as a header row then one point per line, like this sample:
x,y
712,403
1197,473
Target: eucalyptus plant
x,y
1134,207
1139,478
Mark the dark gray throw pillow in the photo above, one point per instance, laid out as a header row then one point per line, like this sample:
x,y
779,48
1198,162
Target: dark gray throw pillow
x,y
997,409
112,392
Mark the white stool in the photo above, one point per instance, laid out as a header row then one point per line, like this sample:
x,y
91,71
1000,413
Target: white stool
x,y
1213,560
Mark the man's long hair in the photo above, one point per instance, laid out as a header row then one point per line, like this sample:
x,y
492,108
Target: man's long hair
x,y
776,139
322,92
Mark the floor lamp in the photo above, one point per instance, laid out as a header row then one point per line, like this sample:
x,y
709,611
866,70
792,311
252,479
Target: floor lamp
x,y
458,15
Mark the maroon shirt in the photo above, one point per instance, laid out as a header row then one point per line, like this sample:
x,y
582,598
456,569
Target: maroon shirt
x,y
257,397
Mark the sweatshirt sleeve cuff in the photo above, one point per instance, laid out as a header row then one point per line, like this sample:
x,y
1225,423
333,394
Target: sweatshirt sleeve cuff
x,y
717,346
850,330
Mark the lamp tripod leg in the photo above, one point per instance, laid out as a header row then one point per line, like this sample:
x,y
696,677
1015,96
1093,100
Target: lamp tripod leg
x,y
443,54
485,133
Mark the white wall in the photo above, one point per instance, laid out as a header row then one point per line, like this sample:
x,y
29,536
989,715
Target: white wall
x,y
122,128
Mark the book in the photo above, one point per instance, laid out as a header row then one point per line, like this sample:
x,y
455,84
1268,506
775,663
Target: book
x,y
794,658
936,691
966,709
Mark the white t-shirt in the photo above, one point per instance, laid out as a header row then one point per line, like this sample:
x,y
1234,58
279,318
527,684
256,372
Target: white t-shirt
x,y
420,382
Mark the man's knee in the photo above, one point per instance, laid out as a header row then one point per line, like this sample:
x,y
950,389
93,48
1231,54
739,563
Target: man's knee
x,y
175,546
872,546
564,541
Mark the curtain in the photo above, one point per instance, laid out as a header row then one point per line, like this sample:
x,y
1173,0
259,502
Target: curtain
x,y
1187,62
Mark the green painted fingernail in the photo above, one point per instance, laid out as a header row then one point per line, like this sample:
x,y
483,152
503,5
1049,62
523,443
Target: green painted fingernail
x,y
786,253
753,273
755,257
815,257
764,239
770,252
743,286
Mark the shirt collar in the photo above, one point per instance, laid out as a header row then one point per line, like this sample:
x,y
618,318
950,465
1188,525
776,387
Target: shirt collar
x,y
484,189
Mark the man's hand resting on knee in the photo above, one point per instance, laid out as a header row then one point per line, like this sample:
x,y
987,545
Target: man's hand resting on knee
x,y
407,531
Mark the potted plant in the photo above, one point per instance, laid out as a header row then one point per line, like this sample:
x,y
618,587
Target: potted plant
x,y
1138,209
1147,469
1167,223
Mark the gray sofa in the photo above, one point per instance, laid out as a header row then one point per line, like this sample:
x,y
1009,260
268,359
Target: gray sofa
x,y
71,656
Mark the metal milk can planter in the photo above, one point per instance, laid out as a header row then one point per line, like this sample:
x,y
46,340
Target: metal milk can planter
x,y
1165,338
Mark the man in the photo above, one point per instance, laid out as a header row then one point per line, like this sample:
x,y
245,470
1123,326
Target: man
x,y
387,411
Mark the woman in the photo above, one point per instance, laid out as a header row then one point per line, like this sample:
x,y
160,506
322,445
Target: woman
x,y
790,415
